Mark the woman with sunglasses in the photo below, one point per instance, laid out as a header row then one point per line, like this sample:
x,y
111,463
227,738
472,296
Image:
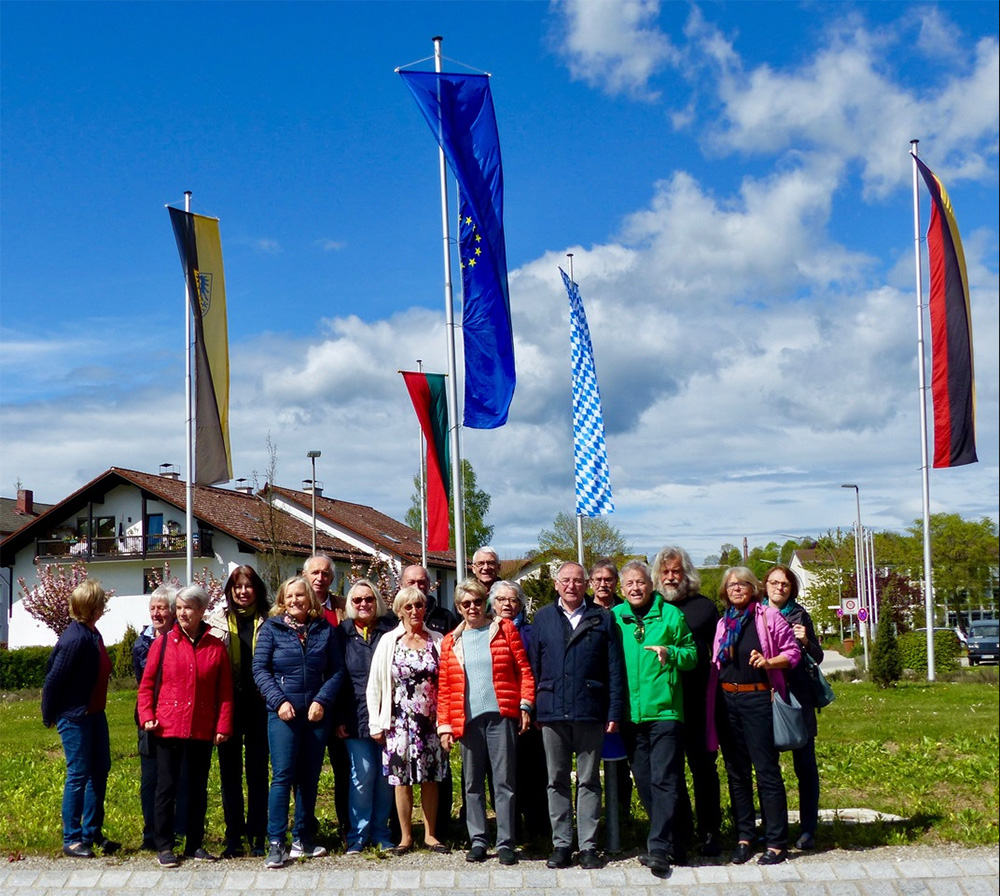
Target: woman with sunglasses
x,y
753,648
658,646
402,698
485,696
370,798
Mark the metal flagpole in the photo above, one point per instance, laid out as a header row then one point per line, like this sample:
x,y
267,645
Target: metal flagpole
x,y
189,430
924,466
579,516
458,498
421,452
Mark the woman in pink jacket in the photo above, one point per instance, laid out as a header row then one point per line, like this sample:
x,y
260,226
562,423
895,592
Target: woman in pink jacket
x,y
186,700
753,646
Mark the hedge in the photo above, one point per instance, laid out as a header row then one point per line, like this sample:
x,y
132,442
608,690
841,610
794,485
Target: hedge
x,y
23,668
947,649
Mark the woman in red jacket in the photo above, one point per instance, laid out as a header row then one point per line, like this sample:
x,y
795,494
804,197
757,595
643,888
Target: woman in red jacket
x,y
186,700
485,696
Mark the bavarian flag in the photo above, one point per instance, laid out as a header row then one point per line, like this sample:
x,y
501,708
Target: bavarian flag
x,y
427,392
201,258
953,385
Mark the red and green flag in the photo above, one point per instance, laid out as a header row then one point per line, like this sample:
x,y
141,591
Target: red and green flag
x,y
953,385
427,392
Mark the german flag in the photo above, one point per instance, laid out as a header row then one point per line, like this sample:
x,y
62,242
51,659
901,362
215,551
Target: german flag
x,y
427,392
953,385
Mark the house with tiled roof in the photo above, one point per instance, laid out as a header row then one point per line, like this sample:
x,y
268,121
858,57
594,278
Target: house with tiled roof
x,y
127,526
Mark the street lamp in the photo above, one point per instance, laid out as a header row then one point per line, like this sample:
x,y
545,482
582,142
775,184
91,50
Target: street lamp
x,y
860,571
312,455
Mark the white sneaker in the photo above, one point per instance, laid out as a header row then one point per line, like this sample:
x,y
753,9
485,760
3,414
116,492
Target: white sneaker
x,y
301,850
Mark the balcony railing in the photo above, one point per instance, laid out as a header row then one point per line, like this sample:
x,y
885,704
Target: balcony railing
x,y
123,547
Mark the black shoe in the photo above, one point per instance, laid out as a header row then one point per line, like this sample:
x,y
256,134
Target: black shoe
x,y
476,854
711,847
560,858
109,847
590,860
741,855
258,849
78,851
201,855
167,859
677,856
656,860
806,841
148,845
506,856
235,851
770,857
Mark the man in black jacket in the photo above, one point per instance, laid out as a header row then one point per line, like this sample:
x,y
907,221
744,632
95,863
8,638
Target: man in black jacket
x,y
576,657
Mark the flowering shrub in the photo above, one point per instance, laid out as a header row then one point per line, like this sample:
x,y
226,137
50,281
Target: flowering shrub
x,y
213,585
48,601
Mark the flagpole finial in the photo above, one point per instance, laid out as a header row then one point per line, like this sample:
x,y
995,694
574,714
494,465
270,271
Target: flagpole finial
x,y
914,140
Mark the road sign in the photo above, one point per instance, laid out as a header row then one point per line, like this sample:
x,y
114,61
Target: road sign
x,y
850,605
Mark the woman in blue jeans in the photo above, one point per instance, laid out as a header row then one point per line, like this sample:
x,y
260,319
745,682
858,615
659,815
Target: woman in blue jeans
x,y
73,699
298,667
370,799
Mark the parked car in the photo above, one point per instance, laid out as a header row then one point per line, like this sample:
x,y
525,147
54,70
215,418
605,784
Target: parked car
x,y
984,641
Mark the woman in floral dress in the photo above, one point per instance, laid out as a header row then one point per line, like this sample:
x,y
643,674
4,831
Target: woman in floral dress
x,y
402,712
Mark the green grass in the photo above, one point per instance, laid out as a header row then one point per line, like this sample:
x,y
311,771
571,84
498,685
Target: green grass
x,y
927,752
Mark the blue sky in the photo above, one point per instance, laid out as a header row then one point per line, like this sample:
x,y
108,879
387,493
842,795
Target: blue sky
x,y
733,179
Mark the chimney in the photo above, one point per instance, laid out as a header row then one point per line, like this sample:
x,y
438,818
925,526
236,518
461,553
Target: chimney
x,y
169,471
308,486
26,501
244,487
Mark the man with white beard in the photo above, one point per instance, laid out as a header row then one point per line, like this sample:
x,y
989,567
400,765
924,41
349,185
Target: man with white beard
x,y
675,577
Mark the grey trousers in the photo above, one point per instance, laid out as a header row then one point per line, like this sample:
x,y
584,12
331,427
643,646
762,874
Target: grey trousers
x,y
562,740
489,739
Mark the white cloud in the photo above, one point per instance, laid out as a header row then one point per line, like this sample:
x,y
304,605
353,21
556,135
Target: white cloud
x,y
615,46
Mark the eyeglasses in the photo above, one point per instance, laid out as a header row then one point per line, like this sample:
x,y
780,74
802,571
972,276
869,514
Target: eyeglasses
x,y
358,601
775,583
483,564
603,581
472,602
567,582
738,586
414,607
506,599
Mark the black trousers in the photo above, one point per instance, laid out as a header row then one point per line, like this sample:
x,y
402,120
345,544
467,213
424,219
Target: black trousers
x,y
746,735
704,780
172,753
246,751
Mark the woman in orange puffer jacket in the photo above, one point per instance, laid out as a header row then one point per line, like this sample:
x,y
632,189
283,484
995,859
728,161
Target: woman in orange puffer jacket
x,y
484,667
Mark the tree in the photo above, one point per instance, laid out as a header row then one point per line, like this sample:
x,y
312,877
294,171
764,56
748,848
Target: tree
x,y
540,590
477,505
273,526
887,661
964,554
600,539
214,587
48,601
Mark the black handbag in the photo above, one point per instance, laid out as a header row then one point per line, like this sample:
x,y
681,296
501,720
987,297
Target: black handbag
x,y
146,742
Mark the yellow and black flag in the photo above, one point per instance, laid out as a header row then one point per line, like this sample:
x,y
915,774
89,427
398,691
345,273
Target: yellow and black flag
x,y
953,384
200,249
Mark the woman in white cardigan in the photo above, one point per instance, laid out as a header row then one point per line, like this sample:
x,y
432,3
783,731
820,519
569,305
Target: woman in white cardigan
x,y
402,714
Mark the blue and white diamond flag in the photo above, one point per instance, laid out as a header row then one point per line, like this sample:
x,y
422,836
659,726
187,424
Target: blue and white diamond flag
x,y
593,482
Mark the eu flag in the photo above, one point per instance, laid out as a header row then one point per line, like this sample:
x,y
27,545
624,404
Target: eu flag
x,y
459,110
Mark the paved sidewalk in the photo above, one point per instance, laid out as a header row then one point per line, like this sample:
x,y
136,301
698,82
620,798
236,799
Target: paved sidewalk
x,y
888,871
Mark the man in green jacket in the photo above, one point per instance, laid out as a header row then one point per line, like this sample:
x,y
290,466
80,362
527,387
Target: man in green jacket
x,y
658,645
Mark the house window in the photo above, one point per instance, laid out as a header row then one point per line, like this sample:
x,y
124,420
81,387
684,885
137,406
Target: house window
x,y
102,538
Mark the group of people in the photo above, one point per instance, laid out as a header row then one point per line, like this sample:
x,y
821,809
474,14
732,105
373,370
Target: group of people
x,y
389,692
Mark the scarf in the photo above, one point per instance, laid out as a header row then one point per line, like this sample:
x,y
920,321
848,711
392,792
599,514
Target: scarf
x,y
733,622
233,618
790,607
300,628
